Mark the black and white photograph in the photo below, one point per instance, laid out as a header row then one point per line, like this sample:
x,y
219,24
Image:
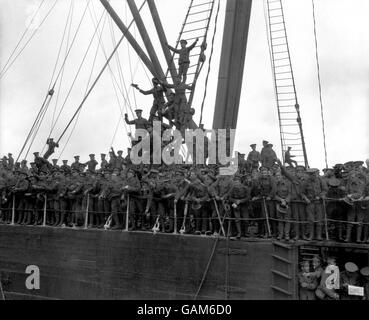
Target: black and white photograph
x,y
184,151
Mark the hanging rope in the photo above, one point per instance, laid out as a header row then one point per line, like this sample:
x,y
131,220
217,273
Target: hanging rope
x,y
320,86
69,22
97,79
88,83
22,37
209,66
50,90
28,41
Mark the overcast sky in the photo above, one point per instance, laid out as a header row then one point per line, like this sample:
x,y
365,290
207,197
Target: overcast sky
x,y
342,27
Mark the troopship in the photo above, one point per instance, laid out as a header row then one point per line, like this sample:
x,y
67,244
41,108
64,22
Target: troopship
x,y
88,263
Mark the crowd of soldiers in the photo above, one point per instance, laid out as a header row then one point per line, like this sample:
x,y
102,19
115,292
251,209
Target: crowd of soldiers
x,y
325,281
263,199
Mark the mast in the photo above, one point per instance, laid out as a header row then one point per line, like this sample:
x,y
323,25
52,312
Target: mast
x,y
236,28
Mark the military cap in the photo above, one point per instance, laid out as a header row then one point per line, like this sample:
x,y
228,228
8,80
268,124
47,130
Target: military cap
x,y
327,169
54,160
24,161
348,163
65,161
263,168
183,41
265,142
36,153
253,145
358,163
120,151
334,182
351,267
138,110
76,157
281,208
91,155
5,158
364,271
103,154
270,145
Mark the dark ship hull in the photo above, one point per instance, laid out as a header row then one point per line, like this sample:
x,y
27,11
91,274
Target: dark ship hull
x,y
95,264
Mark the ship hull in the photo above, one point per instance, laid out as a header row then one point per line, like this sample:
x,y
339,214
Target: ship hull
x,y
97,264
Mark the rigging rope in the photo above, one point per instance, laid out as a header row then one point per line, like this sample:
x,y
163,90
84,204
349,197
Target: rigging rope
x,y
69,21
209,66
98,77
22,37
41,111
320,86
88,83
28,41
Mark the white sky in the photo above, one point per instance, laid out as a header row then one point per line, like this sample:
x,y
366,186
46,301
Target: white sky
x,y
342,27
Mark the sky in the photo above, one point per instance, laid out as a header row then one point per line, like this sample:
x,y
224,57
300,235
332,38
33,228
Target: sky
x,y
343,52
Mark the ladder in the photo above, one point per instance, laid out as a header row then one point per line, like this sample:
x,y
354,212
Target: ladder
x,y
290,124
283,271
195,25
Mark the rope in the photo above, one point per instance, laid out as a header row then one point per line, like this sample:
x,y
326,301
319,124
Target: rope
x,y
1,290
32,35
97,79
207,268
209,66
23,35
88,83
320,85
69,21
42,111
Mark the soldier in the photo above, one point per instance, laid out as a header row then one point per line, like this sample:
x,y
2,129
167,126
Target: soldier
x,y
20,188
24,167
131,189
155,204
180,103
349,277
119,161
336,209
65,167
55,164
268,157
75,194
357,209
10,159
239,195
140,122
51,147
127,159
184,58
197,194
60,199
264,189
313,193
103,162
103,205
220,191
288,157
283,198
158,93
308,283
92,163
76,165
329,282
39,189
41,163
253,157
113,194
